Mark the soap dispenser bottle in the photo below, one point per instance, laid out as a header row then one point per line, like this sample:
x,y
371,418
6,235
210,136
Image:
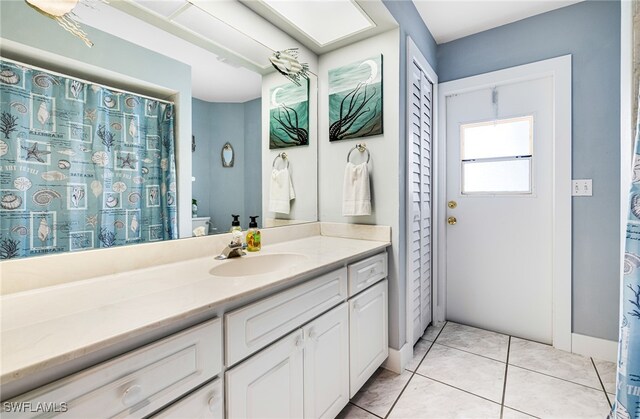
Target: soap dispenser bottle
x,y
235,224
253,235
236,231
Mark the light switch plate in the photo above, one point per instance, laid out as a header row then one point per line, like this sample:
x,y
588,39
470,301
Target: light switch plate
x,y
582,187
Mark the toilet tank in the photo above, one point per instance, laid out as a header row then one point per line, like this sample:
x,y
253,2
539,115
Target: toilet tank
x,y
200,221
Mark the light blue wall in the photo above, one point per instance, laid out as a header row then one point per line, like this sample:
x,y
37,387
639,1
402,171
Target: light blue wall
x,y
222,191
410,24
590,31
253,158
201,158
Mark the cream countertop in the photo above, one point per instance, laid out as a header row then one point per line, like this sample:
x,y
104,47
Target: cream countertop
x,y
47,327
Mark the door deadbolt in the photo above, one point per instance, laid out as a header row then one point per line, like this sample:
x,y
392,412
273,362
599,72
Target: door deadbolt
x,y
452,204
452,221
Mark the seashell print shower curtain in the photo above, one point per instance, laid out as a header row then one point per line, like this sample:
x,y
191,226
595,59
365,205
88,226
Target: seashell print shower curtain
x,y
82,166
627,403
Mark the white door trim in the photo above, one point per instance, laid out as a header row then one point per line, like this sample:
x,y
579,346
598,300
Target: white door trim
x,y
414,54
560,69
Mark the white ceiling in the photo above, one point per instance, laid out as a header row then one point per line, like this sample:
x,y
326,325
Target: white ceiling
x,y
223,40
452,19
215,36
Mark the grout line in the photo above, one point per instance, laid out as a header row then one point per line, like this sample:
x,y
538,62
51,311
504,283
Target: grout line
x,y
413,373
458,388
479,328
429,348
504,384
524,413
557,378
469,352
601,383
362,408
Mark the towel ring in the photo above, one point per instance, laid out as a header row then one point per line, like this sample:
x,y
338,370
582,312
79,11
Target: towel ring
x,y
361,148
284,158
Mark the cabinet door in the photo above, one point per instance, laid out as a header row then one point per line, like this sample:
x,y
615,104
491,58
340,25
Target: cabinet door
x,y
326,364
368,342
206,403
269,384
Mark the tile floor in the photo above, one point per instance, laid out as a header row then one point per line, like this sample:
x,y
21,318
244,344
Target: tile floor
x,y
463,372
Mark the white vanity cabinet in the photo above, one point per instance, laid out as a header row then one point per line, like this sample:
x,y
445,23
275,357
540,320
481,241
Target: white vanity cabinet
x,y
136,383
300,352
305,374
314,370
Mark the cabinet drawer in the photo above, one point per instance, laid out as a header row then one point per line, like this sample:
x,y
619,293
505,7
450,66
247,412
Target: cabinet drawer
x,y
255,326
139,382
365,273
208,402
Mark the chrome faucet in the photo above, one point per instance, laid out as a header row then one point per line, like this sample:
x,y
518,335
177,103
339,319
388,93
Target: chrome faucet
x,y
233,250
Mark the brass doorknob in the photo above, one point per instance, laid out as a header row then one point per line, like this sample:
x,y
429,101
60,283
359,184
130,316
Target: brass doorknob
x,y
452,204
452,221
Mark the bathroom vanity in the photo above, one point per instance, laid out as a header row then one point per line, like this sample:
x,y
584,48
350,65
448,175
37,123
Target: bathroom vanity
x,y
293,331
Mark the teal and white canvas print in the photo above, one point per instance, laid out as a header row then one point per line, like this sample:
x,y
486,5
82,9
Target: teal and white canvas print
x,y
355,100
289,115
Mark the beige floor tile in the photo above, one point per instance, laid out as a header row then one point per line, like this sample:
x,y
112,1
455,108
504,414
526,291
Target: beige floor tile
x,y
425,398
549,360
608,372
432,331
478,341
514,414
354,412
475,374
421,347
381,391
549,397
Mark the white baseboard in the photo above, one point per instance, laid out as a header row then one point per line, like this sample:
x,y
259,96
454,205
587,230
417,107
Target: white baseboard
x,y
606,350
398,358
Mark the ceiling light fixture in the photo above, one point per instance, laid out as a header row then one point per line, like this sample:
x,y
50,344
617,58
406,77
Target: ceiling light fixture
x,y
62,12
345,18
287,64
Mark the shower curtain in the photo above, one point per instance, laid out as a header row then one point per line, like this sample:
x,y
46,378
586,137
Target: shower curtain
x,y
627,403
82,166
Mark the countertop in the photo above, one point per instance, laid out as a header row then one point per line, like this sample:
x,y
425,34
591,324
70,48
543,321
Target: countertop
x,y
47,327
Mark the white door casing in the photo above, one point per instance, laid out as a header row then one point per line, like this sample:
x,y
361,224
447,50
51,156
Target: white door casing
x,y
559,70
422,83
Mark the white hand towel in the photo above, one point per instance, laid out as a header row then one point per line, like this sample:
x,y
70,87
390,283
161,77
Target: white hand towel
x,y
281,192
356,196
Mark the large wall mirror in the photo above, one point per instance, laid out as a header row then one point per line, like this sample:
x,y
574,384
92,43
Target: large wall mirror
x,y
205,65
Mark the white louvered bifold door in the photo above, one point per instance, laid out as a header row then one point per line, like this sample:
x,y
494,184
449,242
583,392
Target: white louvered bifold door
x,y
420,132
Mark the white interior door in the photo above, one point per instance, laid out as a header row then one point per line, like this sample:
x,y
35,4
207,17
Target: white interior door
x,y
419,148
499,148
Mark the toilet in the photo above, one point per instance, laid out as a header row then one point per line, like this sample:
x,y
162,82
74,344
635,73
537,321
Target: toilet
x,y
200,221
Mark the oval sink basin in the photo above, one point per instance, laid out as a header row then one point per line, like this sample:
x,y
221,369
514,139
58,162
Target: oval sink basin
x,y
257,265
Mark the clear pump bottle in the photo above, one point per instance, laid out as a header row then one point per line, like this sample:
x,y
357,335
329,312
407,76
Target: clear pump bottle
x,y
253,235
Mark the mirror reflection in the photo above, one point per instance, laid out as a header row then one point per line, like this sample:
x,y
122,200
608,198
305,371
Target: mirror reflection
x,y
227,155
218,90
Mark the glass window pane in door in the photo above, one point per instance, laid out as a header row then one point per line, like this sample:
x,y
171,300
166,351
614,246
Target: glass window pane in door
x,y
501,138
505,176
